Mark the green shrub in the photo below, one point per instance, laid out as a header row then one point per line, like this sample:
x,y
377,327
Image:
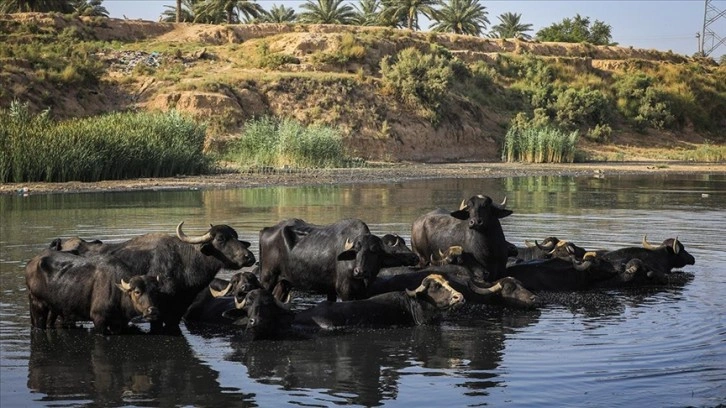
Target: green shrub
x,y
641,102
115,146
269,60
529,141
600,133
576,107
417,78
272,142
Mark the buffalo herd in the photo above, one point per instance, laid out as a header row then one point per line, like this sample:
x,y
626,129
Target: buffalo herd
x,y
456,257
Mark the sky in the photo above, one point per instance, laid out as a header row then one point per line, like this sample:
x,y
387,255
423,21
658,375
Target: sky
x,y
651,24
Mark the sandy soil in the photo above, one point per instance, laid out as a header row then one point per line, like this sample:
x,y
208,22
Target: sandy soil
x,y
383,174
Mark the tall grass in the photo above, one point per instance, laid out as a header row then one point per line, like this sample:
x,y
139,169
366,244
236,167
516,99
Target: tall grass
x,y
539,144
114,146
274,142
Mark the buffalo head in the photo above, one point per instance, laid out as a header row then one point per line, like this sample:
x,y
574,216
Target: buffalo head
x,y
436,290
221,242
481,212
267,317
143,291
677,253
510,289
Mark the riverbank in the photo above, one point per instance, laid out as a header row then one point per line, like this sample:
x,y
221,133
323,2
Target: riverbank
x,y
376,173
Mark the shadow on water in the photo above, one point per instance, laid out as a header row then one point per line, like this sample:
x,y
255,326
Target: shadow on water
x,y
83,368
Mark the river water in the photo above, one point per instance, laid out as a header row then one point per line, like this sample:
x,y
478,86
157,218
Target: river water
x,y
662,347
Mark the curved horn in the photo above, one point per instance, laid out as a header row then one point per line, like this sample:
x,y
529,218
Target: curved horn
x,y
463,204
647,244
504,202
238,304
192,240
125,285
676,248
485,291
348,245
547,247
559,244
582,266
220,293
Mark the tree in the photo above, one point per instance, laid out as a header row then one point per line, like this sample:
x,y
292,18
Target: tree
x,y
326,12
577,30
510,26
185,14
408,11
278,14
367,13
21,6
90,8
230,9
461,17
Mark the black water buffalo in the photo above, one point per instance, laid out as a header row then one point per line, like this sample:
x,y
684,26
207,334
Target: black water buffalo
x,y
186,264
336,260
210,305
506,290
76,288
75,245
267,317
475,227
423,305
636,265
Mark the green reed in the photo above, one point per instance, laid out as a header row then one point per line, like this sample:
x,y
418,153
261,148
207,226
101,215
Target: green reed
x,y
113,146
277,143
539,145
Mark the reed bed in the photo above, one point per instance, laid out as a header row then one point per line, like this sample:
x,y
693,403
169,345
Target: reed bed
x,y
285,143
108,147
539,145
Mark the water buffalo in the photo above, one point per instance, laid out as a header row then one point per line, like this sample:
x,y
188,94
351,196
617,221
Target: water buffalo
x,y
463,273
637,266
76,288
267,317
186,264
475,227
210,305
336,260
423,305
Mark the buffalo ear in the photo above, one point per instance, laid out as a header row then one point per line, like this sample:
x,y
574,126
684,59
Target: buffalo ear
x,y
348,255
462,214
207,249
502,212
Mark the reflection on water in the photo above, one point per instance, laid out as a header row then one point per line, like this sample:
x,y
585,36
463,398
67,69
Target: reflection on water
x,y
656,347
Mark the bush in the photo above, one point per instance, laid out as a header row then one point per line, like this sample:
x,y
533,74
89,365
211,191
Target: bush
x,y
576,107
115,146
271,142
534,142
418,79
642,103
269,60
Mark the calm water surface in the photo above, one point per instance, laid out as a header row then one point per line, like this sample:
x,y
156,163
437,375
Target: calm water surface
x,y
661,347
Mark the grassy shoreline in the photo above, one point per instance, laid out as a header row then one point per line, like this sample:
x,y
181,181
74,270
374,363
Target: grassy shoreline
x,y
381,173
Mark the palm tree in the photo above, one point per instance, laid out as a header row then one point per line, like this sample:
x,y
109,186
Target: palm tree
x,y
397,10
90,8
367,13
510,27
326,12
20,6
461,17
185,14
230,9
278,14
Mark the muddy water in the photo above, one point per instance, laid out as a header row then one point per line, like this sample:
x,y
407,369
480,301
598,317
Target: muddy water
x,y
656,347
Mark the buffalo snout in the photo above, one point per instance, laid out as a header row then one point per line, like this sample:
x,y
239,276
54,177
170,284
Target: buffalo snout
x,y
151,313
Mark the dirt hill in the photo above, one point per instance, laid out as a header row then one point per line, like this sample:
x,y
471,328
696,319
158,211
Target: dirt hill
x,y
226,75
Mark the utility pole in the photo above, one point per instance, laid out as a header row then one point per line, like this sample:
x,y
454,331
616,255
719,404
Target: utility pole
x,y
709,40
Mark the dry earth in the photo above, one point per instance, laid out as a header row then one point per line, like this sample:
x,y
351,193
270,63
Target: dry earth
x,y
381,174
